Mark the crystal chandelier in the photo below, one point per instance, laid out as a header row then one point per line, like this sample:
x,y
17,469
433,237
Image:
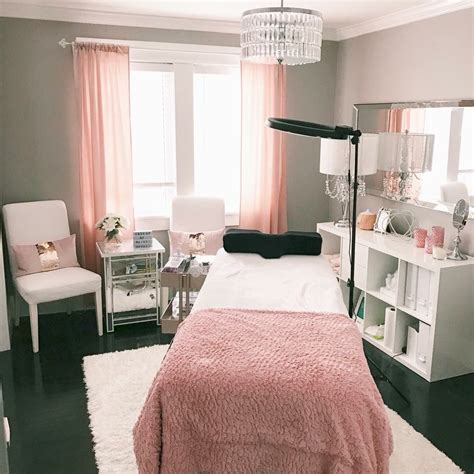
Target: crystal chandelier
x,y
281,35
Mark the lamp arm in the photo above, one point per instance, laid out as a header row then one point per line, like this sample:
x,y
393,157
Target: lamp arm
x,y
310,129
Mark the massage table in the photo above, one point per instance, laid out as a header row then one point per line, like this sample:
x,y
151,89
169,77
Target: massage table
x,y
292,282
266,375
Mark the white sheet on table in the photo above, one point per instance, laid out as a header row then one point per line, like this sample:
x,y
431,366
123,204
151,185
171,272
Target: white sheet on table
x,y
292,282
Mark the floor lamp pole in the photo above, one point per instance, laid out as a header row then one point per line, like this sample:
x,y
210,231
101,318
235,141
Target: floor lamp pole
x,y
353,227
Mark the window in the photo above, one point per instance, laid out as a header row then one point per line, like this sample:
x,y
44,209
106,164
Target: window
x,y
217,135
153,139
185,121
466,152
453,150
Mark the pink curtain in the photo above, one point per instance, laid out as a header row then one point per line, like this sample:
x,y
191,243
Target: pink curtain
x,y
400,120
394,120
263,168
102,87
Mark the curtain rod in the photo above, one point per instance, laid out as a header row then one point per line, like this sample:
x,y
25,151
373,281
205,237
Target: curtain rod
x,y
151,51
153,45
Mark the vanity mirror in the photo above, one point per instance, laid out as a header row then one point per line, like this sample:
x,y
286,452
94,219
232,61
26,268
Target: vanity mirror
x,y
426,152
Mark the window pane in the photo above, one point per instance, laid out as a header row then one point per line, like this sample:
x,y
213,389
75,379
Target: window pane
x,y
153,200
438,123
153,141
466,153
467,140
217,136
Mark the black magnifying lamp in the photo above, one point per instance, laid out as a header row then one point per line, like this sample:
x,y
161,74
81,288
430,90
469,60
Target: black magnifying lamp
x,y
310,129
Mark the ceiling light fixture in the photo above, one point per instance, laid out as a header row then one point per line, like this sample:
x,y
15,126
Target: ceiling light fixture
x,y
281,35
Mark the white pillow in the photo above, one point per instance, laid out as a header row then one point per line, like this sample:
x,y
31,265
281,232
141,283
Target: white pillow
x,y
196,243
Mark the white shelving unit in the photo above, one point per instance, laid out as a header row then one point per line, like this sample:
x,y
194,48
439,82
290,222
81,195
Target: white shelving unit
x,y
445,323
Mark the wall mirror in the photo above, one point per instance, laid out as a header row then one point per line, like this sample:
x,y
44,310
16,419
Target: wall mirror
x,y
425,153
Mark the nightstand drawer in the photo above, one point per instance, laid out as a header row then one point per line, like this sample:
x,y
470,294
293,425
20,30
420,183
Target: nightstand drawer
x,y
134,266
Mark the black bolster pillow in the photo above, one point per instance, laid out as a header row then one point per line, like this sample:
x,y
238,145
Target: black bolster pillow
x,y
272,245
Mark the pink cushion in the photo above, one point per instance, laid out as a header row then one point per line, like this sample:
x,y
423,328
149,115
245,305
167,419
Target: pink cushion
x,y
196,243
46,256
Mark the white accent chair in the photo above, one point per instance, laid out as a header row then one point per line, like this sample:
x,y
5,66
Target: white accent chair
x,y
197,214
29,223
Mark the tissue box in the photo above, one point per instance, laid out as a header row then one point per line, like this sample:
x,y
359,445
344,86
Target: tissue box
x,y
142,239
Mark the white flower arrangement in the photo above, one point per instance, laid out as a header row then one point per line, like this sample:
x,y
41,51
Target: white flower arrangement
x,y
112,224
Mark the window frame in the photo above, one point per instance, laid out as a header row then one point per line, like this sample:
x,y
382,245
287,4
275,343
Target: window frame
x,y
152,222
184,61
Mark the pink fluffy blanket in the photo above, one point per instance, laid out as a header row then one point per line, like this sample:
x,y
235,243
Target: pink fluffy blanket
x,y
244,391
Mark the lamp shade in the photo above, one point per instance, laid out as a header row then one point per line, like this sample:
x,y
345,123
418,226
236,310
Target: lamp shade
x,y
405,152
334,156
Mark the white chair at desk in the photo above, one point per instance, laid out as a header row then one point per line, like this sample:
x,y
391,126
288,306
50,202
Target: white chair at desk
x,y
197,214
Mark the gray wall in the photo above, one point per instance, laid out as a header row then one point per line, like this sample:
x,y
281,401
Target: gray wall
x,y
41,139
38,113
310,96
39,152
427,60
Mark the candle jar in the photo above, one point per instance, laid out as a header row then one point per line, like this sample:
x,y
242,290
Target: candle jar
x,y
437,232
420,237
439,253
429,244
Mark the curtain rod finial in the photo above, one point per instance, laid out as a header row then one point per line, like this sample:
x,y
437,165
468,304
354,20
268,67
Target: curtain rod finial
x,y
63,43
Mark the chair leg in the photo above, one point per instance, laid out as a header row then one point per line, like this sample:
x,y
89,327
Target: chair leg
x,y
34,326
98,312
14,306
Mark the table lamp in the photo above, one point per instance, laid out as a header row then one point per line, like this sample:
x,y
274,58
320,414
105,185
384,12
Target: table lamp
x,y
402,156
334,163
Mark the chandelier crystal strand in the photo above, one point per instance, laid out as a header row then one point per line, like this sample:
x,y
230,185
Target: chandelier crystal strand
x,y
281,35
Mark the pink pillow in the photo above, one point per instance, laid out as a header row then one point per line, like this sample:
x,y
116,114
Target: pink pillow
x,y
46,256
196,243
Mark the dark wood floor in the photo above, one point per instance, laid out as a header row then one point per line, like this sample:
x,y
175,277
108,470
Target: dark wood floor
x,y
46,403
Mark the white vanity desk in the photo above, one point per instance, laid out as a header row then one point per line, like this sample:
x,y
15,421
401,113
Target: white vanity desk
x,y
445,327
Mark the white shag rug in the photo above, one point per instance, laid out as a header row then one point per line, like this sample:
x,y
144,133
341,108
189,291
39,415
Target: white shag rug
x,y
117,385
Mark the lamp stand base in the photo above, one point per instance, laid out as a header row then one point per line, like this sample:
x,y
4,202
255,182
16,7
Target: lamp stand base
x,y
456,254
342,223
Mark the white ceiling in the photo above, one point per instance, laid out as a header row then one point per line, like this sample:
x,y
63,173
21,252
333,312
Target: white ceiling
x,y
220,15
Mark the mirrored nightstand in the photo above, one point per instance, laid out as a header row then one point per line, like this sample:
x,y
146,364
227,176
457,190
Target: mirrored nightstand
x,y
132,282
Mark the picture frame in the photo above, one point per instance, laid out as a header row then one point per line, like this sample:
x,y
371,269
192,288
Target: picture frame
x,y
382,220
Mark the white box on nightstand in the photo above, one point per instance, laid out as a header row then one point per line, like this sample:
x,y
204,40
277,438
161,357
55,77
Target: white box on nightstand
x,y
142,239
